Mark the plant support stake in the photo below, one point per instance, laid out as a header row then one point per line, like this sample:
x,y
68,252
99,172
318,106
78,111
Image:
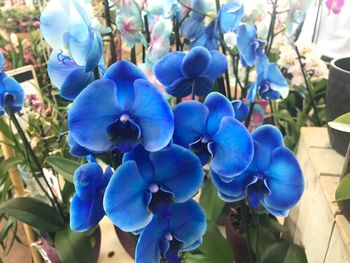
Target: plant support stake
x,y
18,187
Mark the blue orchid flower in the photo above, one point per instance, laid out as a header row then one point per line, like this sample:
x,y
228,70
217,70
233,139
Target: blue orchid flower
x,y
229,16
86,209
11,92
194,72
270,83
77,150
193,26
182,231
66,25
211,131
249,45
274,177
147,182
209,39
121,111
241,110
68,76
227,20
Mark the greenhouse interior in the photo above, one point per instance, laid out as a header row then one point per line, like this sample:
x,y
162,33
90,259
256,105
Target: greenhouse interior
x,y
174,131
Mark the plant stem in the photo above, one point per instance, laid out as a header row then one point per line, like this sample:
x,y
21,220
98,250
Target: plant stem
x,y
250,113
272,108
96,73
244,216
133,55
111,35
223,48
271,35
312,99
244,209
193,94
28,147
257,220
190,8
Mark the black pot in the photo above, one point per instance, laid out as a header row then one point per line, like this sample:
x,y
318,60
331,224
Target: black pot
x,y
338,101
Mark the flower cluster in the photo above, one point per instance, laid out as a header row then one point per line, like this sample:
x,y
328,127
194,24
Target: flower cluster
x,y
119,111
68,28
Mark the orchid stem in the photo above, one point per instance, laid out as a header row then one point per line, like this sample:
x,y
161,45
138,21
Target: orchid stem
x,y
244,216
244,209
111,35
28,147
312,99
133,55
223,48
271,35
193,91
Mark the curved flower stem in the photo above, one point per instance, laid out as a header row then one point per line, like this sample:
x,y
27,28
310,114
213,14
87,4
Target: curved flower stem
x,y
307,84
244,216
192,9
223,48
193,94
257,222
244,208
111,35
272,108
96,73
271,35
31,154
133,55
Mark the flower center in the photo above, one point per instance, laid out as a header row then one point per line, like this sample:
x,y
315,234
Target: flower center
x,y
153,188
168,237
124,118
9,98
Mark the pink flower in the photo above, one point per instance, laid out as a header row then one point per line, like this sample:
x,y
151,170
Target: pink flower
x,y
36,24
334,6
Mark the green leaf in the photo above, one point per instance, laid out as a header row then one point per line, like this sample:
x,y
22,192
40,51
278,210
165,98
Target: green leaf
x,y
195,258
343,189
73,247
33,212
4,128
63,166
215,247
3,233
211,202
295,254
7,164
272,225
284,252
341,123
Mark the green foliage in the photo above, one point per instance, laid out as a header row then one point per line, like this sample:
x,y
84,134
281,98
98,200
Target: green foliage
x,y
63,166
215,247
211,202
343,190
284,252
297,111
73,247
214,243
33,212
341,123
